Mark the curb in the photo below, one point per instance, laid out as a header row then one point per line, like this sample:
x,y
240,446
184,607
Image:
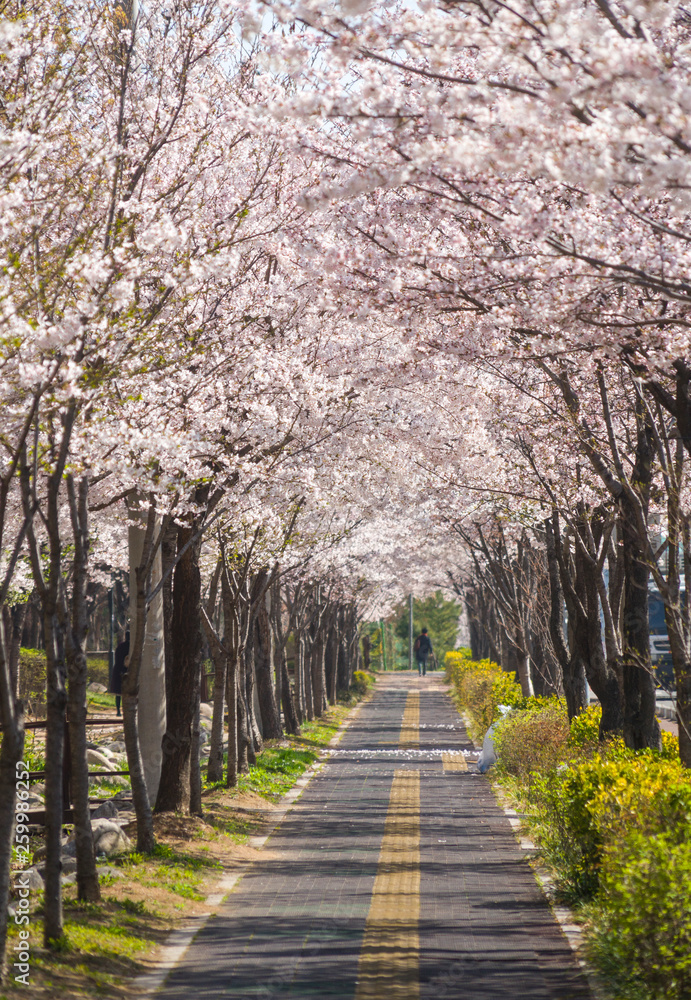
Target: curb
x,y
179,940
572,931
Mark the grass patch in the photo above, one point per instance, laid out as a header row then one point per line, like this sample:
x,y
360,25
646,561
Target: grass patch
x,y
100,700
279,766
276,771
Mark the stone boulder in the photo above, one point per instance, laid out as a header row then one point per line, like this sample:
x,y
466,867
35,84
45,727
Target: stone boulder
x,y
32,879
96,688
108,870
106,810
99,760
109,839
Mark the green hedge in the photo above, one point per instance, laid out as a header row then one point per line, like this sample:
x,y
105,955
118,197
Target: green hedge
x,y
613,824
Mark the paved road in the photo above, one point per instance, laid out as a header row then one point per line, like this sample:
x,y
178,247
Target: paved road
x,y
396,875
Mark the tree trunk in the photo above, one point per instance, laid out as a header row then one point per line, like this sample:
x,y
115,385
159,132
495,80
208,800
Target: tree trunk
x,y
331,657
263,665
256,744
246,755
220,661
56,701
195,756
13,633
309,653
580,589
168,546
343,670
318,671
219,658
237,736
300,698
139,589
173,790
572,668
521,663
233,765
289,713
641,728
87,876
12,780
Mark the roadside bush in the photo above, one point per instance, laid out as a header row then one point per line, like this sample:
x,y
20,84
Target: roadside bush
x,y
584,734
639,938
645,794
613,824
361,684
480,687
581,809
560,808
533,740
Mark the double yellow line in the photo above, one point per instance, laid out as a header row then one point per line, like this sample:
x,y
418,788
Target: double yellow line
x,y
390,957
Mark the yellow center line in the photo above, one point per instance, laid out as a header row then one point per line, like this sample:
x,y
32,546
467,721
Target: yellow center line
x,y
410,726
454,762
390,958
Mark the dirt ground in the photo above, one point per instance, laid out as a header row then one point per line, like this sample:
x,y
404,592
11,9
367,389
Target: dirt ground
x,y
110,944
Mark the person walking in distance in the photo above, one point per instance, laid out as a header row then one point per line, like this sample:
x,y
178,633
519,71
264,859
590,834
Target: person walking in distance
x,y
119,668
422,649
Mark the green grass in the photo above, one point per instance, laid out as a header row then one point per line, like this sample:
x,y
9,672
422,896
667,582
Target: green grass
x,y
103,700
276,771
180,873
278,768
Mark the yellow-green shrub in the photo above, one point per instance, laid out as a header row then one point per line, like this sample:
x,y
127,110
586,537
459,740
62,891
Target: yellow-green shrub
x,y
584,809
532,740
639,938
361,683
480,687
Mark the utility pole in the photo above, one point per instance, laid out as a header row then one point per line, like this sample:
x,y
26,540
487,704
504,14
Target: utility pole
x,y
410,631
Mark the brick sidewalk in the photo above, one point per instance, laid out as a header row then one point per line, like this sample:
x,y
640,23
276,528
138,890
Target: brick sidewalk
x,y
395,875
